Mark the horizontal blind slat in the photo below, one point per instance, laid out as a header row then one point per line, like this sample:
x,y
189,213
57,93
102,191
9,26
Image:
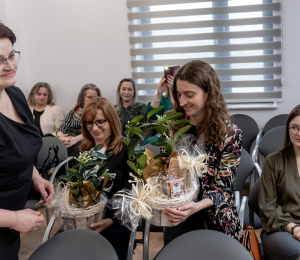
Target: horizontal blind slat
x,y
213,60
206,36
208,48
220,72
142,3
227,84
202,24
255,97
204,11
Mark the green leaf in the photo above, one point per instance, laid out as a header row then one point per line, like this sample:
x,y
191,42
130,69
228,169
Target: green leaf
x,y
130,148
160,155
162,144
124,141
137,118
75,192
139,149
76,174
182,131
131,165
169,148
172,116
142,160
154,111
110,153
181,122
72,170
161,141
131,124
98,155
98,147
101,170
161,129
92,163
65,177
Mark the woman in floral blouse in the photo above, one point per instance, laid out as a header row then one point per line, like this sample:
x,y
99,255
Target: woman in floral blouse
x,y
198,96
128,106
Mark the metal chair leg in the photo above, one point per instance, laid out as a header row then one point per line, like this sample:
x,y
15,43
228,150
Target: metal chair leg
x,y
131,245
146,240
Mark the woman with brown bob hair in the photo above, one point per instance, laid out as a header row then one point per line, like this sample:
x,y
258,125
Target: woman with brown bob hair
x,y
279,196
198,96
101,125
47,116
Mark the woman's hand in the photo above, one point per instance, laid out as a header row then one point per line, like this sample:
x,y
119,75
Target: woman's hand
x,y
44,187
27,220
179,215
161,88
170,80
102,225
297,233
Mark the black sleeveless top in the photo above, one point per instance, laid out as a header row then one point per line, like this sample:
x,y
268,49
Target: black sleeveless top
x,y
19,146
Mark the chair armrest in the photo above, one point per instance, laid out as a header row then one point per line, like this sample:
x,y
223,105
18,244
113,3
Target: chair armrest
x,y
58,167
48,229
237,200
258,169
244,204
255,150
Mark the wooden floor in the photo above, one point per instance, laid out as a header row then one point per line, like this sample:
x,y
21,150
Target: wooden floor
x,y
31,241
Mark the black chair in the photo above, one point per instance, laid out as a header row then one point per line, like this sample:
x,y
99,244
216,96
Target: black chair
x,y
204,244
249,128
42,155
77,244
279,120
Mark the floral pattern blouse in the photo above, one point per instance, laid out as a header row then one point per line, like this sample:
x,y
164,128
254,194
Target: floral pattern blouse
x,y
218,183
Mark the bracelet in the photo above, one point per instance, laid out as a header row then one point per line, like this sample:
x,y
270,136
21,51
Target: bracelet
x,y
156,101
16,221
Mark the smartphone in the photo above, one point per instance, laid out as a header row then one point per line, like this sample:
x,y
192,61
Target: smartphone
x,y
170,71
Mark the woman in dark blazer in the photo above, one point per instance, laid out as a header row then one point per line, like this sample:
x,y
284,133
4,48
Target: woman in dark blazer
x,y
101,125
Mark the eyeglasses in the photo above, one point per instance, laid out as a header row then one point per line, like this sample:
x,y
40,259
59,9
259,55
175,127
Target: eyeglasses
x,y
99,123
14,58
294,129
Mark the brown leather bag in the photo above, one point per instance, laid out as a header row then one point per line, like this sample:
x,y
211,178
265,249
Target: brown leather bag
x,y
250,242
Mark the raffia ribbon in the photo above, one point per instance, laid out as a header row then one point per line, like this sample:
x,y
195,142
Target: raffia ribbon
x,y
138,206
186,162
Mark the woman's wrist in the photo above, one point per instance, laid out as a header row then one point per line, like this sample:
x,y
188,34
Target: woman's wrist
x,y
289,227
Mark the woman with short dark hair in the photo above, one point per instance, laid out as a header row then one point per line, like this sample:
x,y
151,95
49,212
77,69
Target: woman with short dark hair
x,y
279,195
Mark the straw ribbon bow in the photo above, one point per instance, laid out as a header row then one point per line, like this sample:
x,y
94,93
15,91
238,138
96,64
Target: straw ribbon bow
x,y
186,162
140,208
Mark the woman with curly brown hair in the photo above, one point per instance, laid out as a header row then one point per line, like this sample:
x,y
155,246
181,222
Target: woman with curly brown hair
x,y
198,96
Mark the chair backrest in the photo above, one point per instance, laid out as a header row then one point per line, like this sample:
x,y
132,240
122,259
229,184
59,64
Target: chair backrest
x,y
47,142
77,244
279,120
246,167
204,244
253,197
249,129
152,148
272,141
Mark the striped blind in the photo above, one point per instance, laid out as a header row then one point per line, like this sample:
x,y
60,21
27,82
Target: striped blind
x,y
240,39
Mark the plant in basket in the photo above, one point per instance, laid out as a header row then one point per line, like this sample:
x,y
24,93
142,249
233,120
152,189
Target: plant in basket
x,y
164,180
81,203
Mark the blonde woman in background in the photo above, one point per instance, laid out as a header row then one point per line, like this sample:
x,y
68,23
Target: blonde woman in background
x,y
47,116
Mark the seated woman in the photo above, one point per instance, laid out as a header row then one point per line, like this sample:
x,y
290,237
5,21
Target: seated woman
x,y
102,126
128,106
47,116
70,130
198,96
279,196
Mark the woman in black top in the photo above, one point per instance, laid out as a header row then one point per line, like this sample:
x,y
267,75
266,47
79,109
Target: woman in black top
x,y
102,126
20,142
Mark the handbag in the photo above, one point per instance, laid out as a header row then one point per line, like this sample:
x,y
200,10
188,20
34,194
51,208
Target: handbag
x,y
250,242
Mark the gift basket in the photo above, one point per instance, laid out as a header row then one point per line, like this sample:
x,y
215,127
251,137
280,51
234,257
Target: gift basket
x,y
169,179
80,202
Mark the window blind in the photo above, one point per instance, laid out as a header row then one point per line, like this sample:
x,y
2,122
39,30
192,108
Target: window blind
x,y
240,39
